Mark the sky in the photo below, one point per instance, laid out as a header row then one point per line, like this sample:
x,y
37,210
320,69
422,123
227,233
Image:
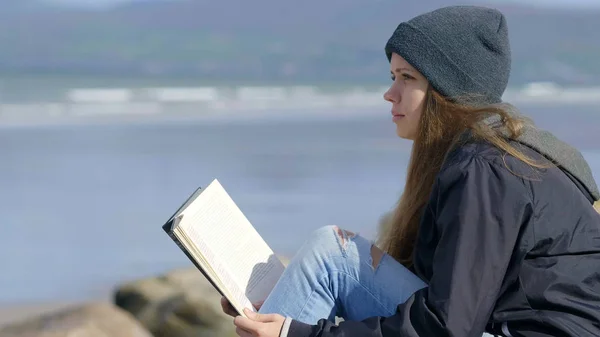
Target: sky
x,y
556,3
550,3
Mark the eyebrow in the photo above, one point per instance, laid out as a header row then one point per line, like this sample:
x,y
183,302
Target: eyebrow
x,y
401,69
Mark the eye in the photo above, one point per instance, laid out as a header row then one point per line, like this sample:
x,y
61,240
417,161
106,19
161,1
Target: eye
x,y
393,77
407,77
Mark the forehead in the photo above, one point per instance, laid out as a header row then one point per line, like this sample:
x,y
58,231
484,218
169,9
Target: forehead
x,y
399,62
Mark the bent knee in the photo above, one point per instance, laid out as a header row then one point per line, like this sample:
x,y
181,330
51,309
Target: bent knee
x,y
333,238
332,229
330,236
343,235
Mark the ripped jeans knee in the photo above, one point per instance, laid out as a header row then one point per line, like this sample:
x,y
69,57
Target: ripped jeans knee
x,y
333,240
344,236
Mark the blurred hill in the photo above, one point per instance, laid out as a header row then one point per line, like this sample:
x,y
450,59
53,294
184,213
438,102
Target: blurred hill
x,y
269,40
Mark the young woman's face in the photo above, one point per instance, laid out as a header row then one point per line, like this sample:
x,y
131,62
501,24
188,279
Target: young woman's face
x,y
407,95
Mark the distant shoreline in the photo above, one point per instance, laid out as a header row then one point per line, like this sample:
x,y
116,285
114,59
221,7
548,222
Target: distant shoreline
x,y
245,103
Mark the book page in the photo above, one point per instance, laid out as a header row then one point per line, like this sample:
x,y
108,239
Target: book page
x,y
194,244
236,247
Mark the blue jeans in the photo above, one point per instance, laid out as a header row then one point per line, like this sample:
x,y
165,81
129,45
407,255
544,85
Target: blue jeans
x,y
333,275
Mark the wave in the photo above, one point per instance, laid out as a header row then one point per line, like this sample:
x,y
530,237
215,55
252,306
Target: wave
x,y
82,104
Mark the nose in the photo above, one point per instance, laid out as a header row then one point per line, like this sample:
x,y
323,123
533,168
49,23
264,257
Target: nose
x,y
387,97
391,95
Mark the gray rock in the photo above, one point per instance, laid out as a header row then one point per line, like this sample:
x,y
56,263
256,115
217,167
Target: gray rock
x,y
89,320
181,303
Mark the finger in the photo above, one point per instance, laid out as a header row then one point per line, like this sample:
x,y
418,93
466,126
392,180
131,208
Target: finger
x,y
242,333
246,324
263,318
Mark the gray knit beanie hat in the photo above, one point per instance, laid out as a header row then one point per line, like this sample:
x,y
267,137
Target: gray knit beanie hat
x,y
463,51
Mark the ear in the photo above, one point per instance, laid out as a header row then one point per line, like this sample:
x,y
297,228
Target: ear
x,y
597,206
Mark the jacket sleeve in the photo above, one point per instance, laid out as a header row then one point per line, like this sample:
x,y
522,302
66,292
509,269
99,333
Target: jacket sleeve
x,y
478,208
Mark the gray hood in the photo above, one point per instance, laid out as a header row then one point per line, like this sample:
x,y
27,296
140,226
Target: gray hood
x,y
562,154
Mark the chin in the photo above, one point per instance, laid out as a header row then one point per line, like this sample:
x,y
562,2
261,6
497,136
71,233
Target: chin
x,y
402,133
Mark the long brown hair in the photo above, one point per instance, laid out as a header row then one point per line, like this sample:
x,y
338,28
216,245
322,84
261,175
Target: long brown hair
x,y
440,127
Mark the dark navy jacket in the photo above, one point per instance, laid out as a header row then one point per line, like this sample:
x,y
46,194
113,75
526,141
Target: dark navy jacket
x,y
505,249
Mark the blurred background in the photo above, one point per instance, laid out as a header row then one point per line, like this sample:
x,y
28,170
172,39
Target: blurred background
x,y
112,112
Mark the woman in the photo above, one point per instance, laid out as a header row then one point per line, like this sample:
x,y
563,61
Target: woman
x,y
495,231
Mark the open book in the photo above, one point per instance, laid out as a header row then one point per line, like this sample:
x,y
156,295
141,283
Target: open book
x,y
220,241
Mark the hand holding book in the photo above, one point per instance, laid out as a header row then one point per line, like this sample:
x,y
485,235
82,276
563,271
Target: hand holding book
x,y
259,325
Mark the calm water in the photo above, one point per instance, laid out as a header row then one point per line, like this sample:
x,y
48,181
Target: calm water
x,y
81,206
